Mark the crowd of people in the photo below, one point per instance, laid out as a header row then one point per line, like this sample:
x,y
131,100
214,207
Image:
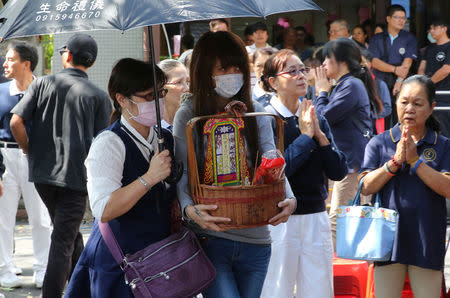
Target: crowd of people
x,y
360,105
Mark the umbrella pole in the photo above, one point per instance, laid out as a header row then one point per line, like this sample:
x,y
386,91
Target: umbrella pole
x,y
177,167
156,93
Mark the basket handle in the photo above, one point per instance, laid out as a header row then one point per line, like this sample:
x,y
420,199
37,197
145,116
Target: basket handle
x,y
194,181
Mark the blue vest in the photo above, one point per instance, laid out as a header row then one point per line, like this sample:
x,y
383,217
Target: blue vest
x,y
149,220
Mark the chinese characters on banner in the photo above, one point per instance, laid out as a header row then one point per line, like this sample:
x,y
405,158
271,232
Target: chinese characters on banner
x,y
79,9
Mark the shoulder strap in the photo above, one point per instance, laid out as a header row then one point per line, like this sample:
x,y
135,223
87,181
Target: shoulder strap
x,y
111,242
385,53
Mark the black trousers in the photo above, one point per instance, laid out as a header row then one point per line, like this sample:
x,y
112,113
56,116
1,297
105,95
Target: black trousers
x,y
66,208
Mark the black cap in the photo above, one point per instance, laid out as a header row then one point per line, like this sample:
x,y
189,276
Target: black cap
x,y
259,26
82,46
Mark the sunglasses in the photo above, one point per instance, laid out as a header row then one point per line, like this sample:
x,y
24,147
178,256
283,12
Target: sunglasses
x,y
62,51
295,72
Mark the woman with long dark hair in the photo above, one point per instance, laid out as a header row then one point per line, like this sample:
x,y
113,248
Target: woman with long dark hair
x,y
409,166
220,74
124,180
347,107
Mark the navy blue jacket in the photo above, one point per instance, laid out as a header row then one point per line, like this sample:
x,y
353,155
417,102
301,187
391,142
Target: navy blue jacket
x,y
348,101
403,46
309,166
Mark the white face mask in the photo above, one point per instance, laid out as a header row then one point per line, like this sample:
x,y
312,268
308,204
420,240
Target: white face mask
x,y
229,85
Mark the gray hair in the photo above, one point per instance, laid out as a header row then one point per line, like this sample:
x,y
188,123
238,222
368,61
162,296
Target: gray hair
x,y
168,64
342,23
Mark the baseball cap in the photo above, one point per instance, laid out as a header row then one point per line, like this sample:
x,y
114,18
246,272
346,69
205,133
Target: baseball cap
x,y
82,46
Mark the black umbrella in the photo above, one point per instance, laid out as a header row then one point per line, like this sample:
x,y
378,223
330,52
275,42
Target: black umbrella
x,y
20,18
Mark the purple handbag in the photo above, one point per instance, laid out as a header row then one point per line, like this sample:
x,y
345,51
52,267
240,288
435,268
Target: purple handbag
x,y
174,267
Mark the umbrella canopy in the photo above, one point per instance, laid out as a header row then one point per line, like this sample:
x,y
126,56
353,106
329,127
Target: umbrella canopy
x,y
21,18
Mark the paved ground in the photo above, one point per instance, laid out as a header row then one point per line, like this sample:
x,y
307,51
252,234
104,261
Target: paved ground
x,y
24,259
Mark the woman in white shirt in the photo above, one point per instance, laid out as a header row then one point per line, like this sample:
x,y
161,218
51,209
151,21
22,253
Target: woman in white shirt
x,y
125,173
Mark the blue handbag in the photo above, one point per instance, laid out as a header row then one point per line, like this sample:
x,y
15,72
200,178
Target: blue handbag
x,y
365,232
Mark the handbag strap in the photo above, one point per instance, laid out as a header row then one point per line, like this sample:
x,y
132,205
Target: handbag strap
x,y
111,242
357,199
385,56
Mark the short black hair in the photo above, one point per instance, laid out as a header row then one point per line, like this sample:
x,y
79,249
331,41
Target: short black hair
x,y
259,26
214,21
381,25
394,8
439,22
26,52
248,30
300,28
188,41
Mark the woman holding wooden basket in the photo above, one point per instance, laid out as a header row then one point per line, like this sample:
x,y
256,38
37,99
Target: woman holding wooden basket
x,y
220,75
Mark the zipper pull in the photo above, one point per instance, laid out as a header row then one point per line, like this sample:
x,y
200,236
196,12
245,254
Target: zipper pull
x,y
133,285
166,276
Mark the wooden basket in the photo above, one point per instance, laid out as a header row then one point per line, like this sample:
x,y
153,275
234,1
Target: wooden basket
x,y
247,206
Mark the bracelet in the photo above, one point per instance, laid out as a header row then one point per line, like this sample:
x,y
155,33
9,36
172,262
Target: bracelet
x,y
410,162
396,164
416,166
399,80
388,171
147,186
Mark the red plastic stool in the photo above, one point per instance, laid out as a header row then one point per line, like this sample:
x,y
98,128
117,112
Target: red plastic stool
x,y
406,293
350,278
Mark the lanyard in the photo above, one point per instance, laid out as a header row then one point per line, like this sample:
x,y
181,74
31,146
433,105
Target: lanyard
x,y
135,138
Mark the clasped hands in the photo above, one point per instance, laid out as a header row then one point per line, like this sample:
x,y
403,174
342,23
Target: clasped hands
x,y
308,122
406,150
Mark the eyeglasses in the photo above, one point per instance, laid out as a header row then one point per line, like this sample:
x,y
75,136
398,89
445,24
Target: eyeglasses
x,y
179,83
336,30
295,72
150,96
398,18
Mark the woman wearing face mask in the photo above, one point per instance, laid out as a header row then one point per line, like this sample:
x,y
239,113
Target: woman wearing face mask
x,y
347,108
409,166
125,173
302,255
177,84
219,74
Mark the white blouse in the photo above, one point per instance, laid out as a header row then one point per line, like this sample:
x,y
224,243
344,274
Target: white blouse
x,y
105,163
